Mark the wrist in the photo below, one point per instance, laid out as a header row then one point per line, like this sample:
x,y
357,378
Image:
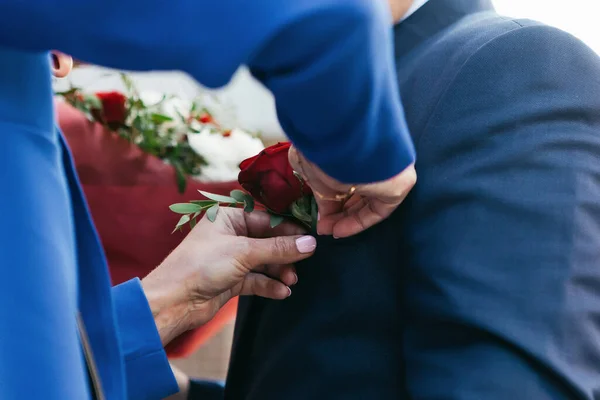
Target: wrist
x,y
168,310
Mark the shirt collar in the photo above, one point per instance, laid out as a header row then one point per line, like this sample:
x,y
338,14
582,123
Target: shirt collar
x,y
413,8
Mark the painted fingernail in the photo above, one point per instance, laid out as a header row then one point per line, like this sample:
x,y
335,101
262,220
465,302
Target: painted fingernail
x,y
295,279
306,244
289,292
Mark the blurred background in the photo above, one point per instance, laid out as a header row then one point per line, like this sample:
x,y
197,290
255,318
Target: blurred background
x,y
246,104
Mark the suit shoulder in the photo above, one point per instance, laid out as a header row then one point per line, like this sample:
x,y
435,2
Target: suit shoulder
x,y
533,40
532,75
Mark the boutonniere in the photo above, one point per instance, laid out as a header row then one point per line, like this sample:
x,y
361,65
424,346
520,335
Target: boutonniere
x,y
268,179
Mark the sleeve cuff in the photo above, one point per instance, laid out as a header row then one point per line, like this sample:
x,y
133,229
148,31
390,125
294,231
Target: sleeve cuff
x,y
146,365
392,154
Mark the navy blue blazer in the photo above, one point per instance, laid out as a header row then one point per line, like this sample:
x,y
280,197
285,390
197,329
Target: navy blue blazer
x,y
52,264
485,284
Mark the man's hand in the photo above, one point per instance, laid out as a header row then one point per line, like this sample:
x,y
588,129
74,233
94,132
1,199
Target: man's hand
x,y
238,254
345,210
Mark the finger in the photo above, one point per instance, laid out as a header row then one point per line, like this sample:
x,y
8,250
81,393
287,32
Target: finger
x,y
258,225
284,273
277,250
61,64
328,221
326,210
362,219
263,286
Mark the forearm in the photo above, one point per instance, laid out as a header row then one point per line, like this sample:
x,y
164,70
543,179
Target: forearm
x,y
337,95
328,62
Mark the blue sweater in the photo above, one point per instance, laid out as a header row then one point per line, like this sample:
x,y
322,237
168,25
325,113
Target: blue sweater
x,y
329,64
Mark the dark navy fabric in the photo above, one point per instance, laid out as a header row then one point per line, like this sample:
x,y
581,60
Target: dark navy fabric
x,y
485,284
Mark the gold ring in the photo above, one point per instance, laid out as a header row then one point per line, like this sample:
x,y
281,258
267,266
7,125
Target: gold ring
x,y
338,197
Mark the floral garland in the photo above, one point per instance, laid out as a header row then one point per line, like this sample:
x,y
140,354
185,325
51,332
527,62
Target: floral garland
x,y
146,124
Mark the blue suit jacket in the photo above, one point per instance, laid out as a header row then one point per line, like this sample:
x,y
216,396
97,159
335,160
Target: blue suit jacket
x,y
305,51
485,285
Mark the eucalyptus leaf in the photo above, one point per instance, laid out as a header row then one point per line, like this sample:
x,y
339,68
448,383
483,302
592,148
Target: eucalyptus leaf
x,y
211,213
94,101
182,221
276,220
249,204
204,203
238,195
160,118
185,208
218,197
192,223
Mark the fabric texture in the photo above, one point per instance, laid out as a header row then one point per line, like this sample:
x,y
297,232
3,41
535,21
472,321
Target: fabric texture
x,y
485,284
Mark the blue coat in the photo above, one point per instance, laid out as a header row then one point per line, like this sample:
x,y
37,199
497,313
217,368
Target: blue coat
x,y
485,284
330,66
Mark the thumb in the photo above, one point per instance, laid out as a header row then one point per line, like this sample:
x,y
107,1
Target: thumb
x,y
279,250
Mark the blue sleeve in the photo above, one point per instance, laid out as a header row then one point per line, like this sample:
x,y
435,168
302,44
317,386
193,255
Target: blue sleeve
x,y
328,62
147,369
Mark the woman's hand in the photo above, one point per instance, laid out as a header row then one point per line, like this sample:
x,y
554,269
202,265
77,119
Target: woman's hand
x,y
61,64
238,254
345,210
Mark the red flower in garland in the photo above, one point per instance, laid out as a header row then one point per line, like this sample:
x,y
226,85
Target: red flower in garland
x,y
270,179
114,110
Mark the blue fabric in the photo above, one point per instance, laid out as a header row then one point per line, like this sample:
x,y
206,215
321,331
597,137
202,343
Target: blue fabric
x,y
146,365
485,284
53,264
328,62
330,66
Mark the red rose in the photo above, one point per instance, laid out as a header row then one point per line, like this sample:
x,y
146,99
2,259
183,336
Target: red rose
x,y
269,178
114,110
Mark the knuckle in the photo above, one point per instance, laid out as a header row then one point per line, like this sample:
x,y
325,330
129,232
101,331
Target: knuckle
x,y
243,251
280,246
411,177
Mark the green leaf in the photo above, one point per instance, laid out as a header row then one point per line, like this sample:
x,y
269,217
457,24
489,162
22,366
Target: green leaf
x,y
299,212
204,203
93,101
243,197
192,223
180,176
218,197
238,195
276,220
211,213
182,221
249,204
159,118
185,208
